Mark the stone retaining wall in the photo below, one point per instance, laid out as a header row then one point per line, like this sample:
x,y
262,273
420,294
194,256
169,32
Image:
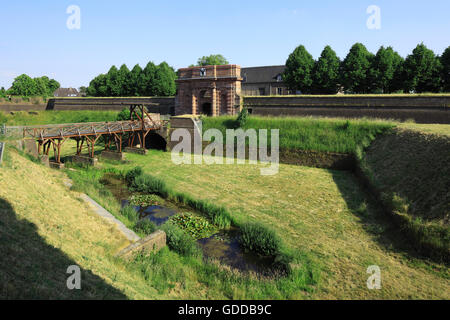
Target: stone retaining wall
x,y
160,105
422,109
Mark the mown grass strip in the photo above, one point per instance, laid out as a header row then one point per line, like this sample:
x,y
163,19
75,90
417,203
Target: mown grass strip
x,y
327,135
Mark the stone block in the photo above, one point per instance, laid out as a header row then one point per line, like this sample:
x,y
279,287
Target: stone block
x,y
152,243
85,160
136,150
112,155
55,165
44,160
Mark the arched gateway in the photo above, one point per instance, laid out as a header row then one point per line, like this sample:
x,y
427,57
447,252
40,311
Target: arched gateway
x,y
209,90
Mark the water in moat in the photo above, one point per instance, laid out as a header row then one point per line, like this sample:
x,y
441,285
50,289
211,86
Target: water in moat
x,y
156,213
223,246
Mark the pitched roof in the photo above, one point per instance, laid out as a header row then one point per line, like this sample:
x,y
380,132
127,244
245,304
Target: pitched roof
x,y
66,92
261,74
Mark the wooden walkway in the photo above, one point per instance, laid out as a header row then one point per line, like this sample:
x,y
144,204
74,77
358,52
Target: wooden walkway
x,y
87,134
72,130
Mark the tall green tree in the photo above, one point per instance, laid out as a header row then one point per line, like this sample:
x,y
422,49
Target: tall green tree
x,y
298,72
355,70
422,70
325,73
124,77
147,79
151,81
41,86
23,85
82,90
113,82
445,63
386,71
52,85
212,60
164,82
136,87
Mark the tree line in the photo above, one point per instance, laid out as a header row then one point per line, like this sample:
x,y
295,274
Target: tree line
x,y
153,80
363,72
24,85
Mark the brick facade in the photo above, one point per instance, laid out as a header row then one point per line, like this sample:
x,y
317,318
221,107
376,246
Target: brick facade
x,y
209,90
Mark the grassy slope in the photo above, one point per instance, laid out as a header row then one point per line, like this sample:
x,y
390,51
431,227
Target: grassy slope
x,y
318,211
40,239
410,168
307,199
54,117
44,228
319,134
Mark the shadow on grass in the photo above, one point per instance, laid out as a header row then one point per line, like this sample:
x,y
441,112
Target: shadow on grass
x,y
374,219
32,269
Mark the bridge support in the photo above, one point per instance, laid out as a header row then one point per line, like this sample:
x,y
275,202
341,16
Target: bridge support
x,y
87,134
45,144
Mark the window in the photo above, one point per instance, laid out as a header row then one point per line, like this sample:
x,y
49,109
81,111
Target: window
x,y
262,91
244,78
279,78
280,91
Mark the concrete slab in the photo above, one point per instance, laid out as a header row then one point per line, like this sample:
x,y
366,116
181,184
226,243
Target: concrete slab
x,y
55,165
85,160
152,243
136,150
98,209
112,155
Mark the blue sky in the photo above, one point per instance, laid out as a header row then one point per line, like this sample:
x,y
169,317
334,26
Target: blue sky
x,y
35,39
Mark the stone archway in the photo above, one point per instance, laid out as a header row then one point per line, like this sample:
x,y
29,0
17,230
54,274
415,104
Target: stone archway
x,y
210,90
155,141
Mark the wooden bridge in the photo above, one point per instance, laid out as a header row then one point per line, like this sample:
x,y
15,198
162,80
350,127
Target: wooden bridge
x,y
87,134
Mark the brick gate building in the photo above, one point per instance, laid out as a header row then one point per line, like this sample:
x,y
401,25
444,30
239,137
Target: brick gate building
x,y
209,90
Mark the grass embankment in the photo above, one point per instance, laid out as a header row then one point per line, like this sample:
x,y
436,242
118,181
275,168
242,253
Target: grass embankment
x,y
197,278
320,213
316,134
24,118
410,172
45,228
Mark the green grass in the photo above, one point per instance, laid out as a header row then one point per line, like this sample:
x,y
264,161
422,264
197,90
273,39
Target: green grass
x,y
324,219
185,254
329,135
410,172
23,118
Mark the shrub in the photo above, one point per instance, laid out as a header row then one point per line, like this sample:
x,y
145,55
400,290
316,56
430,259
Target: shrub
x,y
132,175
145,227
124,115
242,117
179,241
259,239
130,213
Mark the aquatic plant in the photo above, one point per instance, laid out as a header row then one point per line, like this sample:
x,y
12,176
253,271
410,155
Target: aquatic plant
x,y
145,200
196,226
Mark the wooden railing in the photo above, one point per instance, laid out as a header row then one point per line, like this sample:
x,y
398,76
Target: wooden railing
x,y
89,128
